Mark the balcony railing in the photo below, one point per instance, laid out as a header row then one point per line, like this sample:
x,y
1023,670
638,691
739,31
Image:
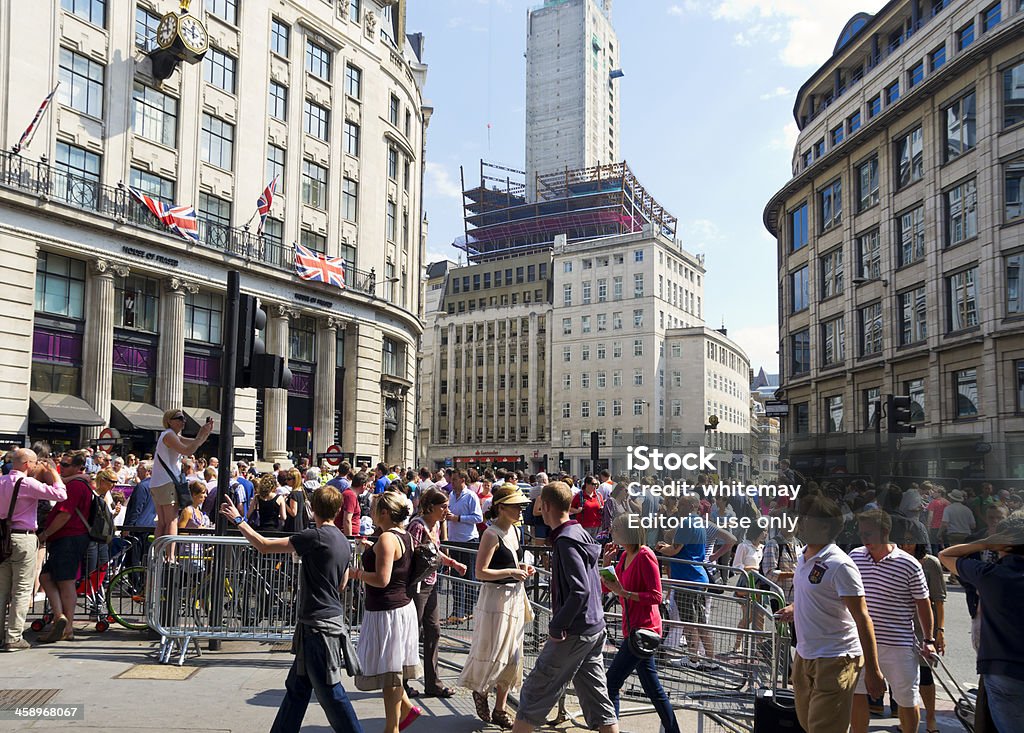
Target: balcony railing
x,y
116,203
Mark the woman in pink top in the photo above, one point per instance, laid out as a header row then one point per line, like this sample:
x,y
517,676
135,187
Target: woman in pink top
x,y
638,587
936,507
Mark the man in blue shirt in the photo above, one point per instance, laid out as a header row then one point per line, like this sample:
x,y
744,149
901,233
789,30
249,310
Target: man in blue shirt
x,y
381,482
686,603
246,484
463,515
141,512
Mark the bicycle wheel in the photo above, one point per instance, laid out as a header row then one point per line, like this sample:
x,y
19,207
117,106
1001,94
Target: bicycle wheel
x,y
126,598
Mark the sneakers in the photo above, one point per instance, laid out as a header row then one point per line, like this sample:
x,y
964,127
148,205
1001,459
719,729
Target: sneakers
x,y
17,646
696,665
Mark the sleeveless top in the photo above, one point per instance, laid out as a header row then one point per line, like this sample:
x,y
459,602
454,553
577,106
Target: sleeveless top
x,y
270,513
171,458
299,521
504,558
396,593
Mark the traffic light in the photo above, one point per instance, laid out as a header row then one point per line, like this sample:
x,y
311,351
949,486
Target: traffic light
x,y
898,415
255,367
595,449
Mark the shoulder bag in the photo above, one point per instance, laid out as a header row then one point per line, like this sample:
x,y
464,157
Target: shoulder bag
x,y
6,541
643,643
425,560
181,492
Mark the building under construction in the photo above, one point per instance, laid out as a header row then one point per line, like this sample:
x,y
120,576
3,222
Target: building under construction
x,y
583,204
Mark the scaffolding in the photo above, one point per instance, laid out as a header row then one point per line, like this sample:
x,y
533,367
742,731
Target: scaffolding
x,y
583,204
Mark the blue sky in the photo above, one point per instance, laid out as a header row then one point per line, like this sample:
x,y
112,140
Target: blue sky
x,y
707,122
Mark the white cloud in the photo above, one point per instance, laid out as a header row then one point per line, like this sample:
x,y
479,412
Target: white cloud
x,y
787,139
440,183
807,29
775,93
700,233
760,343
687,6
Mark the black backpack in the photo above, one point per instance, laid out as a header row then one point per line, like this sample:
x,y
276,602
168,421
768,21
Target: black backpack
x,y
101,521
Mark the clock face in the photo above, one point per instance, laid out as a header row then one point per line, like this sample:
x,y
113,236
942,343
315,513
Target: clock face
x,y
166,30
193,34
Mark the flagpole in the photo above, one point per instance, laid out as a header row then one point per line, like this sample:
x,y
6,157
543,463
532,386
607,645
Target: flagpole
x,y
30,131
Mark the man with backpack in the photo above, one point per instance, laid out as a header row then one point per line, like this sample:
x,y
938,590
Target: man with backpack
x,y
66,538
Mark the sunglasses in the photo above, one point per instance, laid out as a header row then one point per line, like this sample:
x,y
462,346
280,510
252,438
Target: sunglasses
x,y
178,417
66,465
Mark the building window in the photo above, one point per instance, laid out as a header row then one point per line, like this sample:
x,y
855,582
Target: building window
x,y
638,407
832,273
275,166
991,17
914,388
799,286
869,255
567,327
819,149
833,337
81,83
638,318
892,93
226,10
602,290
871,330
146,24
350,199
584,324
937,58
353,10
638,255
391,363
961,134
393,163
351,138
219,69
867,184
798,235
390,220
801,418
310,240
280,34
834,414
316,120
353,81
965,392
961,213
853,123
638,283
1013,95
961,296
875,106
203,316
154,115
60,286
916,75
318,61
872,401
800,348
837,134
408,124
152,184
1014,190
910,230
1019,367
1014,295
93,11
277,101
394,107
965,36
638,347
214,217
831,199
910,154
314,185
302,340
217,141
79,183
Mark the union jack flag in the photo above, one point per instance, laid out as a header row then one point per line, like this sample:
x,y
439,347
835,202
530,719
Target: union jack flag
x,y
264,202
317,267
26,137
181,220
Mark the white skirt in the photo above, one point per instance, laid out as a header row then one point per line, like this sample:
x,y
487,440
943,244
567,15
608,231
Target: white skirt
x,y
389,648
496,654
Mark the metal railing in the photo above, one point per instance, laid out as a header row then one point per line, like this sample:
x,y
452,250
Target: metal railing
x,y
52,184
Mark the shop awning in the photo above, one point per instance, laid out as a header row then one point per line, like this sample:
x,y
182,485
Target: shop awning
x,y
62,409
136,416
197,416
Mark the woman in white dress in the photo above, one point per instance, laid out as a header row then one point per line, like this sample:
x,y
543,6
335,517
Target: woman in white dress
x,y
389,644
496,655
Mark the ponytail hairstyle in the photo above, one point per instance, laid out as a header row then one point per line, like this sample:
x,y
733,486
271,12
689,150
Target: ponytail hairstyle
x,y
394,504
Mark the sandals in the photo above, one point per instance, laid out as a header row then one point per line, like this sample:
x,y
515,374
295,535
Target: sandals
x,y
442,692
502,719
482,711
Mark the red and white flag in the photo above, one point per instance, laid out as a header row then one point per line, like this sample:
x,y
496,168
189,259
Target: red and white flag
x,y
181,220
264,202
26,137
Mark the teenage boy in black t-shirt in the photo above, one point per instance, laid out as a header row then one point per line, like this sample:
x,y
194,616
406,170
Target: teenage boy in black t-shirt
x,y
318,665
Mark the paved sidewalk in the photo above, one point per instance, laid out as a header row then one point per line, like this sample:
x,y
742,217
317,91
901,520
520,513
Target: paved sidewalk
x,y
236,690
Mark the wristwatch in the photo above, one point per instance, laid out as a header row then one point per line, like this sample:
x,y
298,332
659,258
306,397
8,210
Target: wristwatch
x,y
929,641
238,520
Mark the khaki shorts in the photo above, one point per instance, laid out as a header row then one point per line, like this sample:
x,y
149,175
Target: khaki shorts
x,y
824,692
164,495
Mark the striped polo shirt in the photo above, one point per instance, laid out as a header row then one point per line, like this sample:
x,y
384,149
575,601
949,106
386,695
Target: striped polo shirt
x,y
891,587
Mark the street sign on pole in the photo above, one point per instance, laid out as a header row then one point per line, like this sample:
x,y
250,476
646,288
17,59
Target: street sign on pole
x,y
333,455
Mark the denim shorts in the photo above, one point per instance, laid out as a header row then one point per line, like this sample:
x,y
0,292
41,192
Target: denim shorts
x,y
64,557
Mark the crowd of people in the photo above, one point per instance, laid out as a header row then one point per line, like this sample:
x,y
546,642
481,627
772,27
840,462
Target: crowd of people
x,y
862,576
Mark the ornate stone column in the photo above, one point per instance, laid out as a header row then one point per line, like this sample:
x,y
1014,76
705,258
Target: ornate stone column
x,y
171,362
275,401
98,349
324,396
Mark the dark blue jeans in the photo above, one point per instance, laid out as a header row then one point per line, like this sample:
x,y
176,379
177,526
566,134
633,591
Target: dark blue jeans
x,y
298,688
463,594
622,666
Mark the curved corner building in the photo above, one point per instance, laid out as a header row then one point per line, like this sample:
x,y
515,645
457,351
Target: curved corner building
x,y
112,318
901,237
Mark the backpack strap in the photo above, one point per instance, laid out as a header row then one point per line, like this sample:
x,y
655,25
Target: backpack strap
x,y
14,499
